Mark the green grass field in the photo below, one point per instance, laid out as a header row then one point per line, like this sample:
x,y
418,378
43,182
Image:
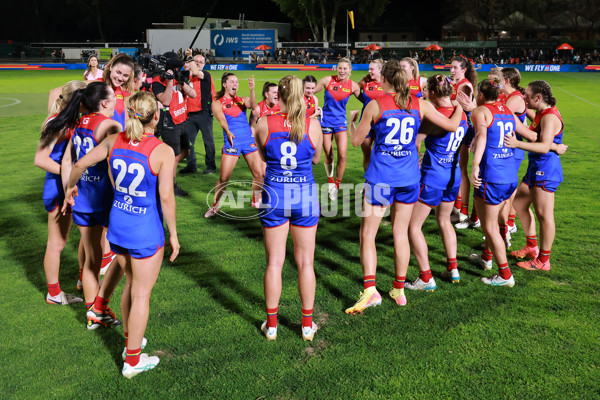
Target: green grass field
x,y
540,339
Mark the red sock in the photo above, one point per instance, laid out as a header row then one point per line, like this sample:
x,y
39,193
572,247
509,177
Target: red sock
x,y
503,230
451,264
368,281
133,356
487,255
474,216
54,289
307,317
126,337
109,254
399,282
88,305
504,271
272,317
81,274
425,275
511,220
464,209
337,183
544,255
458,203
531,241
331,179
100,304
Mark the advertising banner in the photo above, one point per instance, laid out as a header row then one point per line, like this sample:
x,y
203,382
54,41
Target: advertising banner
x,y
225,41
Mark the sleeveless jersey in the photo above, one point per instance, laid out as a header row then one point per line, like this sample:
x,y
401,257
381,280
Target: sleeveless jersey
x,y
415,87
519,153
371,90
289,179
136,202
53,188
95,189
497,164
455,92
336,99
394,158
119,114
266,110
457,84
235,114
440,168
311,105
546,167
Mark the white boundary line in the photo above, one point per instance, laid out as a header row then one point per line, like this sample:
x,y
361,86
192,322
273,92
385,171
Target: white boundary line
x,y
14,103
577,97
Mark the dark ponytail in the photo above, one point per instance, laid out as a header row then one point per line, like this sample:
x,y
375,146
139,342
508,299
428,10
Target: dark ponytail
x,y
89,98
490,88
543,88
224,78
471,72
514,77
440,85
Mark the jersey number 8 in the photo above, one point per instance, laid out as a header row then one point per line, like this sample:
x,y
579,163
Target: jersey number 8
x,y
288,151
406,127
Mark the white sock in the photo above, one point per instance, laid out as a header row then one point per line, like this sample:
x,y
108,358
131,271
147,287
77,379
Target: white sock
x,y
329,170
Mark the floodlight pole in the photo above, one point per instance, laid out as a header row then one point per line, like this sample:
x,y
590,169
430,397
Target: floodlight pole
x,y
347,50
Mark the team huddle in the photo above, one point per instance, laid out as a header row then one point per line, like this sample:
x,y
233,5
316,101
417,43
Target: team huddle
x,y
110,174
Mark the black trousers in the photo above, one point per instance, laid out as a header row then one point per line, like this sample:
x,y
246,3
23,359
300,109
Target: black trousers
x,y
201,121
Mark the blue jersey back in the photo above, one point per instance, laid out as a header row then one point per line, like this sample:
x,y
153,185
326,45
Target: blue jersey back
x,y
440,168
394,158
136,202
335,100
95,189
497,164
289,182
53,188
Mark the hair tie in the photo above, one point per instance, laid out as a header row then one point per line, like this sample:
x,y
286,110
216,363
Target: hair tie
x,y
137,114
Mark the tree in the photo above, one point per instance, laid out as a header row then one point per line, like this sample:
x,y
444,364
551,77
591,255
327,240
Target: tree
x,y
321,16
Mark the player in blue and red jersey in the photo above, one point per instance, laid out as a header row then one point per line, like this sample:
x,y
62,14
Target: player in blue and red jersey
x,y
290,143
119,75
544,174
464,78
440,182
515,101
370,87
141,167
493,174
393,174
416,82
48,156
338,89
94,191
230,110
312,102
269,104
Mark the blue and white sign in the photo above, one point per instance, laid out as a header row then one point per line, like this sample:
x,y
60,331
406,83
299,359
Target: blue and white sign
x,y
225,41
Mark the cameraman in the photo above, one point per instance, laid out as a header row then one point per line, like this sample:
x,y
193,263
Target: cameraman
x,y
172,88
200,115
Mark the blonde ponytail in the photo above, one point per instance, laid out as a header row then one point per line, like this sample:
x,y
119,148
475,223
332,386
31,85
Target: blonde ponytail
x,y
291,93
141,108
65,96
